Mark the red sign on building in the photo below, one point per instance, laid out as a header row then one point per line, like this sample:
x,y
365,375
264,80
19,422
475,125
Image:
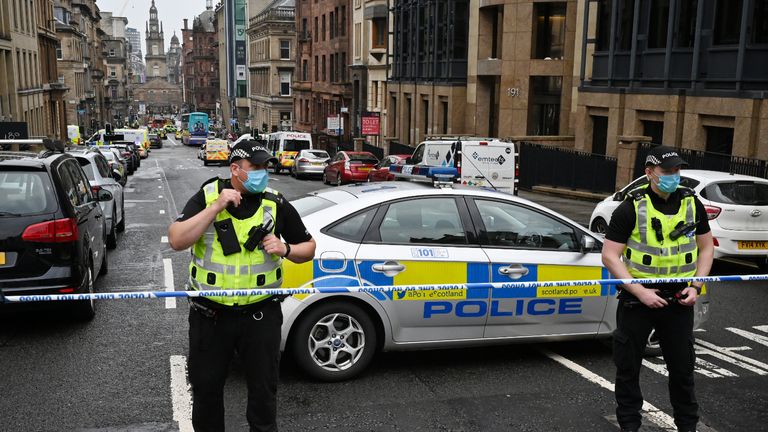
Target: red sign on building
x,y
370,124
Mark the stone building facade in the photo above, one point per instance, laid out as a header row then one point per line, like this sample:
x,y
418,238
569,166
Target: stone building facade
x,y
370,37
272,60
200,64
118,72
30,91
324,54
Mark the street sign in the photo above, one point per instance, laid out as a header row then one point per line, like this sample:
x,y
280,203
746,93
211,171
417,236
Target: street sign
x,y
371,124
335,125
14,130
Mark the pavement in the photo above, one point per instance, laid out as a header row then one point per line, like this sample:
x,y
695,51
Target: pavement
x,y
126,369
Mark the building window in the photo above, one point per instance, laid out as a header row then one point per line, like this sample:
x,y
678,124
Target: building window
x,y
599,134
317,30
323,28
305,70
332,22
655,130
343,29
317,75
112,52
686,23
358,39
323,68
333,68
304,30
112,72
343,67
719,140
59,53
549,30
657,25
604,25
155,71
626,22
727,22
378,33
544,111
760,22
285,83
285,50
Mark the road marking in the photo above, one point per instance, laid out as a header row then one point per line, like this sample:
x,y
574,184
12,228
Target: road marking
x,y
170,303
741,348
754,337
705,366
160,197
159,187
763,328
731,357
129,190
174,211
162,211
660,418
140,201
181,397
164,239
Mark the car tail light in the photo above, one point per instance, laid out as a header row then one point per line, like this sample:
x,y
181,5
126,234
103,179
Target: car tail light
x,y
483,143
303,160
67,290
517,169
95,190
712,211
55,231
716,243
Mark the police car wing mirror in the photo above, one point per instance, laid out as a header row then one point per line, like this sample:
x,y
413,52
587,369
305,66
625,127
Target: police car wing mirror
x,y
587,243
618,196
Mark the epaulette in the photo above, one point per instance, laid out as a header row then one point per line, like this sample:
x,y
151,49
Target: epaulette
x,y
686,191
210,180
273,195
636,194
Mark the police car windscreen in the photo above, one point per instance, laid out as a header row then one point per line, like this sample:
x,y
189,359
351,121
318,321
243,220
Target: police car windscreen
x,y
296,145
26,193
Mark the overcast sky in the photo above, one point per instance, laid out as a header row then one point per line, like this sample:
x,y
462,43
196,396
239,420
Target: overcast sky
x,y
170,12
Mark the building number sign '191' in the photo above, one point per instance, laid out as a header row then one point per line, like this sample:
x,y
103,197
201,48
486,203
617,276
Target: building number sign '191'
x,y
513,91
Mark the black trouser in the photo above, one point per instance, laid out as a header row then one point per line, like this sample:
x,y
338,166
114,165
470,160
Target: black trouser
x,y
674,328
212,342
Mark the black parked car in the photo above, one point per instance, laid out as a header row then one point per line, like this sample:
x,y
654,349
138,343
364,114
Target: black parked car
x,y
130,152
52,230
155,141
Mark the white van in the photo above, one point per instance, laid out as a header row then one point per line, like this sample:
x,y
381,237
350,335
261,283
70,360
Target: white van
x,y
286,145
482,162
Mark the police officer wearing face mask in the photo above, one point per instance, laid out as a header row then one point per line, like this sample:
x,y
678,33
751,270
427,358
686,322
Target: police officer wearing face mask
x,y
660,230
233,227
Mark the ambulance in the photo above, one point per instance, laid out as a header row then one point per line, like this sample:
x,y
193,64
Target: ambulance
x,y
472,161
286,145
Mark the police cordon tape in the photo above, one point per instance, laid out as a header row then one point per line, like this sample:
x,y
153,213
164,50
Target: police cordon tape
x,y
367,289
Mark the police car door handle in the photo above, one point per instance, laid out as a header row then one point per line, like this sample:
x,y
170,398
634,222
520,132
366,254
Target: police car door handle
x,y
389,268
514,272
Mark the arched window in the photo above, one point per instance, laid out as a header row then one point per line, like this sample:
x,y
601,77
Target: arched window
x,y
156,70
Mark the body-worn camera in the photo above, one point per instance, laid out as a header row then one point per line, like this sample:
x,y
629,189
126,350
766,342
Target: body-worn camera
x,y
257,234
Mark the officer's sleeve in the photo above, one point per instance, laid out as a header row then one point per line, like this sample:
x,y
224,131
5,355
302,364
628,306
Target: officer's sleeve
x,y
289,224
702,221
195,205
622,223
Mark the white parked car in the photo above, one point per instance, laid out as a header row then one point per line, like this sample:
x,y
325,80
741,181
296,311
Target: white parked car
x,y
737,208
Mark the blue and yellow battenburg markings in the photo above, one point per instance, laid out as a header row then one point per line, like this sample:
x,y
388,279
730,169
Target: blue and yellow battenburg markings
x,y
342,274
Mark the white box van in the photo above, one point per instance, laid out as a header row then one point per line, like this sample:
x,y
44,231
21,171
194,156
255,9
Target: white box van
x,y
286,145
482,162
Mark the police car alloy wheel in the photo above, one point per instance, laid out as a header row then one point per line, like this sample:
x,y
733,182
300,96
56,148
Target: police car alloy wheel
x,y
334,341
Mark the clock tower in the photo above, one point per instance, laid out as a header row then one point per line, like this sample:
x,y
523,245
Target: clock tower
x,y
156,68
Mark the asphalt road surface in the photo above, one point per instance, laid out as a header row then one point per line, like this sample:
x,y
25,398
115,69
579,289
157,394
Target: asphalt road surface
x,y
125,370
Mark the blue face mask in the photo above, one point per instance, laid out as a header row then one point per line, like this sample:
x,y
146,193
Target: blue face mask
x,y
257,181
668,183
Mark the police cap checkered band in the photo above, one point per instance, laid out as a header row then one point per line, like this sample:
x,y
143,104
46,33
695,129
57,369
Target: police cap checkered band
x,y
252,152
666,157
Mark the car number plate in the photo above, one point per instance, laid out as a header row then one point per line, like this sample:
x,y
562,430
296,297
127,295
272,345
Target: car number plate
x,y
364,169
2,258
317,163
753,245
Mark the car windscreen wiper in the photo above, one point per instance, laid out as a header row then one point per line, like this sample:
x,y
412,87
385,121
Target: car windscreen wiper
x,y
2,213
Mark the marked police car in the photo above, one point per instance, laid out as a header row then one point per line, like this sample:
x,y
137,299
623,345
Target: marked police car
x,y
401,233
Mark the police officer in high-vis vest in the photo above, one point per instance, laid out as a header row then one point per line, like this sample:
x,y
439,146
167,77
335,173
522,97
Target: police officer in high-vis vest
x,y
233,227
660,230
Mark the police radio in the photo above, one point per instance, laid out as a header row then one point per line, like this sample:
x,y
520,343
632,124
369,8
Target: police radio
x,y
257,234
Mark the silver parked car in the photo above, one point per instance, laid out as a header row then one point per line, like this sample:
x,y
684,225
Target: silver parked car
x,y
407,233
310,163
101,176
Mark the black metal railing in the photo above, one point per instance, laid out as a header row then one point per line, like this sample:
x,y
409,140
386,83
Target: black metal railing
x,y
565,168
704,160
397,148
377,151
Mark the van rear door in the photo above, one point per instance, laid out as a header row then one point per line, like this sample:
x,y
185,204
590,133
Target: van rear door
x,y
489,165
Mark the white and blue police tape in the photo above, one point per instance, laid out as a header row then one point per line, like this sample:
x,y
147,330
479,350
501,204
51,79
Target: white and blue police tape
x,y
366,289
